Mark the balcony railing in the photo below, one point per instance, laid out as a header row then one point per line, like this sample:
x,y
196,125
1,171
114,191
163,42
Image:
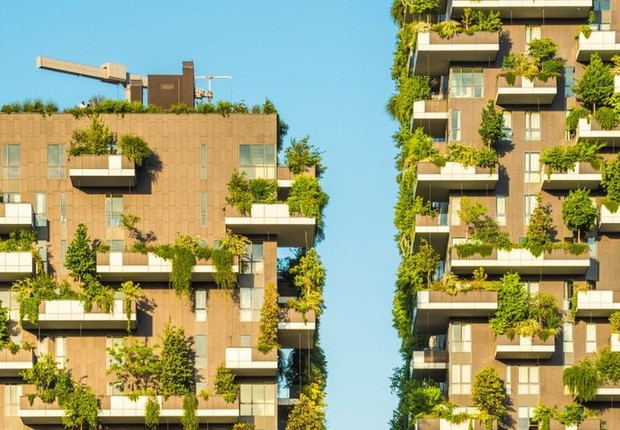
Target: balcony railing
x,y
275,220
604,43
12,364
432,116
14,216
286,177
528,9
597,303
526,92
524,348
438,181
582,176
556,262
295,331
429,364
15,265
246,361
609,222
589,129
433,54
102,171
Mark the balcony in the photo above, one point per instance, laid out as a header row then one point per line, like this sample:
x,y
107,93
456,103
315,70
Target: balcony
x,y
528,9
70,314
435,308
251,362
601,42
609,222
275,220
434,229
597,303
589,129
14,216
526,92
15,265
122,266
433,54
286,177
296,332
582,176
439,181
12,364
524,348
429,364
556,262
101,171
610,393
432,116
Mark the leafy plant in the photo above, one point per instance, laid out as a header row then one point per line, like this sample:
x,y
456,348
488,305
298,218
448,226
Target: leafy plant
x,y
448,29
309,279
610,179
134,148
269,318
579,212
492,125
538,63
29,292
225,385
573,117
607,118
131,293
614,321
512,304
134,367
561,159
582,379
489,396
306,415
243,426
472,156
411,89
96,139
538,237
485,232
80,258
242,193
418,147
176,363
189,420
300,155
308,199
81,409
18,241
596,85
151,413
97,293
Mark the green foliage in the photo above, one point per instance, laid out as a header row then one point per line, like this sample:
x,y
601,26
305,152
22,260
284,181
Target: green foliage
x,y
81,409
225,385
176,363
242,193
608,365
300,155
134,148
472,156
561,159
418,147
538,237
404,216
542,416
306,415
134,367
578,211
309,279
97,293
224,276
5,338
151,413
405,43
491,125
573,117
512,304
18,241
80,259
572,414
486,233
489,396
308,199
31,106
29,292
610,179
473,21
243,426
607,118
131,293
582,379
411,89
614,321
596,85
269,318
423,207
96,139
448,29
542,49
538,63
189,420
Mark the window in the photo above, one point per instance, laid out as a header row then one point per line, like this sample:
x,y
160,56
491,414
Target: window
x,y
113,210
532,32
455,124
250,303
507,127
112,341
532,168
55,161
460,337
500,209
201,351
569,81
530,205
523,421
602,12
63,208
203,161
12,392
460,379
116,245
10,161
40,210
203,209
528,380
590,337
200,304
531,287
567,333
455,208
442,212
245,341
11,197
61,351
253,261
532,125
258,161
257,400
467,82
508,382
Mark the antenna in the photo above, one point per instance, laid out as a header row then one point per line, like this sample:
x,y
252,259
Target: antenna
x,y
201,94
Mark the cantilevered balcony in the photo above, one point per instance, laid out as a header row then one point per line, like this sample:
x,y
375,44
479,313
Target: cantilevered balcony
x,y
295,330
433,54
556,262
439,181
70,314
246,361
597,303
432,116
589,129
519,9
524,348
429,364
15,265
608,393
286,177
102,171
609,222
435,308
434,229
12,364
122,266
526,92
605,43
14,216
582,176
275,220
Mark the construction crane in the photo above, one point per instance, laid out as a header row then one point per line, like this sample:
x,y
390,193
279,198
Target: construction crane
x,y
201,94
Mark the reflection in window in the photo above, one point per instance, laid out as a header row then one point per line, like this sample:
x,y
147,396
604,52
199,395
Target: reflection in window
x,y
467,82
258,161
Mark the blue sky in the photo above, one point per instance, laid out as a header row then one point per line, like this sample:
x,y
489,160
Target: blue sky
x,y
326,66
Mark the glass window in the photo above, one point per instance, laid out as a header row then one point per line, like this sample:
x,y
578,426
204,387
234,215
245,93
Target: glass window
x,y
253,261
258,161
507,127
40,209
467,82
12,392
455,124
460,337
63,255
257,400
203,161
460,377
532,32
245,341
55,161
523,421
569,81
61,351
500,209
201,351
508,380
113,210
455,208
11,161
116,245
590,337
530,205
63,208
200,304
528,380
250,303
203,209
532,168
532,125
567,333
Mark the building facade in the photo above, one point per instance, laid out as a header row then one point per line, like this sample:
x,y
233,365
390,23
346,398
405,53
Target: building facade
x,y
181,189
475,208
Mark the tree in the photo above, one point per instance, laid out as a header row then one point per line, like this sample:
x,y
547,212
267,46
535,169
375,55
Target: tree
x,y
300,155
512,305
579,212
309,279
82,409
492,124
189,420
539,230
96,139
306,415
135,367
489,396
308,199
225,385
134,148
269,318
176,364
610,180
596,85
80,259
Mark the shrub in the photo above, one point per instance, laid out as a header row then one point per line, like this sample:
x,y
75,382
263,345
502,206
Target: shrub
x,y
606,118
582,379
134,148
269,318
225,385
596,85
96,139
492,124
579,212
489,396
301,155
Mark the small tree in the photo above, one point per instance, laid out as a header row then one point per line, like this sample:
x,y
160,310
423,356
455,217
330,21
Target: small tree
x,y
512,305
134,148
491,127
176,363
306,415
489,396
80,258
96,139
269,318
300,155
135,368
579,212
189,420
309,279
538,237
596,85
225,385
610,181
